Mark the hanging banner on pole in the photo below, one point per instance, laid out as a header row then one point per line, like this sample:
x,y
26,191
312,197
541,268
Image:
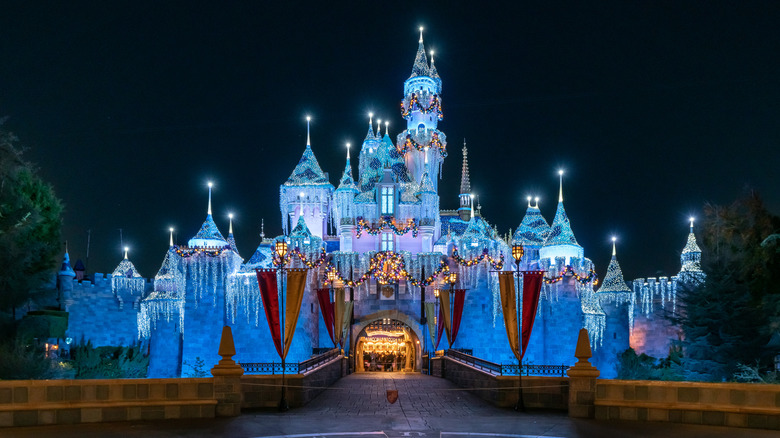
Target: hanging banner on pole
x,y
460,299
296,283
444,306
269,292
326,307
532,287
430,309
339,309
506,283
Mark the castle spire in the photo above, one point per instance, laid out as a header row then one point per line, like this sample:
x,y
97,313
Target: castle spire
x,y
560,187
614,252
370,133
420,67
465,183
529,201
308,131
126,249
387,128
230,228
210,186
262,229
170,242
433,73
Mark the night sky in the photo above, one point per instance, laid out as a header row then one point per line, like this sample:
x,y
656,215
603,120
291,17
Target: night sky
x,y
652,108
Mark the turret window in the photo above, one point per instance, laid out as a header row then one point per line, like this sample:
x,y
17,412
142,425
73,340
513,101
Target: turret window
x,y
388,201
388,243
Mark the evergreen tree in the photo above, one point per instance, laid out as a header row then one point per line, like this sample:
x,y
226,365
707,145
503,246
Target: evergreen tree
x,y
29,226
729,319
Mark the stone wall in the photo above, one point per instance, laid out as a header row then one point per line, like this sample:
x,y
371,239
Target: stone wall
x,y
41,402
716,404
264,391
99,315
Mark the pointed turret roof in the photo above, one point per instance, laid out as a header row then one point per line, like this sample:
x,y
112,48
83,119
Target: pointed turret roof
x,y
307,172
432,71
691,246
126,269
426,185
347,182
533,230
165,280
231,240
560,230
465,182
300,230
208,235
613,281
65,268
420,67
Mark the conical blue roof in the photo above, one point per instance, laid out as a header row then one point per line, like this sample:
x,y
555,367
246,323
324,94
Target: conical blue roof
x,y
231,240
208,235
613,281
533,230
261,257
420,67
347,182
560,231
308,171
300,230
426,185
65,269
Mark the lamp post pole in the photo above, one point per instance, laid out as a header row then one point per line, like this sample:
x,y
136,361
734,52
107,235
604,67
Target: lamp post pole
x,y
281,250
453,278
517,254
423,316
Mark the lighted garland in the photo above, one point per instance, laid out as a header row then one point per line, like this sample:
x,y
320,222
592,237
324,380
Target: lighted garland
x,y
211,252
387,267
414,103
386,222
583,279
310,263
435,143
496,264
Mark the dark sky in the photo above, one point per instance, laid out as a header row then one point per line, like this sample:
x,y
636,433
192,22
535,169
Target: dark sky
x,y
653,109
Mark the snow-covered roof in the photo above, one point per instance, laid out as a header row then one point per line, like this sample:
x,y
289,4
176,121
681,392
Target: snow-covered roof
x,y
208,235
307,172
560,231
533,230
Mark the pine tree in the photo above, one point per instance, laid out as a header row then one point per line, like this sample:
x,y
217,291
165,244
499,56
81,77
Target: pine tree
x,y
730,318
29,226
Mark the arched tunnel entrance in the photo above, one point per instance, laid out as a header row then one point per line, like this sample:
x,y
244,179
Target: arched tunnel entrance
x,y
387,345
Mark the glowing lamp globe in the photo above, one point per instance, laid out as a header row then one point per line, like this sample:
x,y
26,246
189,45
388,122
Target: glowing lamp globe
x,y
517,252
331,276
281,248
453,278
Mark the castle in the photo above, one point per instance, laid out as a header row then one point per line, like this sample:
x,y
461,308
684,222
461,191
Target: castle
x,y
391,250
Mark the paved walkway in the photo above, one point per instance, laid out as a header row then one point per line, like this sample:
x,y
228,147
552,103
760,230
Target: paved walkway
x,y
356,407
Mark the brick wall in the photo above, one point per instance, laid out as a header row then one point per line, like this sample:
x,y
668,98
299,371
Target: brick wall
x,y
717,404
41,402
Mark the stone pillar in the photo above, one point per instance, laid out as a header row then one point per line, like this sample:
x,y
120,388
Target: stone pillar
x,y
227,378
582,380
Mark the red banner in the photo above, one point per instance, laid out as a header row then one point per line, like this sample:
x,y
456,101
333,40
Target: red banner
x,y
532,286
440,329
460,299
326,306
266,280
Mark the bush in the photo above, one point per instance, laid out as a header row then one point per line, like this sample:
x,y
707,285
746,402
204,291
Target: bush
x,y
108,362
22,361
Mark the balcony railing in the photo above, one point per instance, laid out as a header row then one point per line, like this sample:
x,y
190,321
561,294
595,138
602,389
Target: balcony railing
x,y
291,368
507,369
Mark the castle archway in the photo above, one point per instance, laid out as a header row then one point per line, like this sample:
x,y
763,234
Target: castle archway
x,y
386,341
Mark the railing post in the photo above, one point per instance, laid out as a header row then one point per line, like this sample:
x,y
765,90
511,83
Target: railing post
x,y
582,380
227,378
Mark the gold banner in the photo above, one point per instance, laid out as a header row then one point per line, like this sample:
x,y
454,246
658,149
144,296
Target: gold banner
x,y
338,314
506,281
345,322
444,302
296,282
430,309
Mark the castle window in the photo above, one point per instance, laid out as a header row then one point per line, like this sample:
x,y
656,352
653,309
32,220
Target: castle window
x,y
421,127
387,242
388,201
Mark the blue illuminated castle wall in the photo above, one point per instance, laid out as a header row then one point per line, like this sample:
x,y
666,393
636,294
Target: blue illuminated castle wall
x,y
392,206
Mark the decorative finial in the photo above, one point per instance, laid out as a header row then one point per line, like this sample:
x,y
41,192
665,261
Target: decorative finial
x,y
431,57
421,31
126,249
262,229
614,252
308,130
425,150
529,201
691,219
560,189
230,217
378,127
347,150
370,120
387,128
170,242
66,247
211,184
536,199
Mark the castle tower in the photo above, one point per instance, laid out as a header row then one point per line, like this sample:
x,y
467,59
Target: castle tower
x,y
691,260
209,235
306,193
343,211
561,242
65,278
617,302
421,107
464,210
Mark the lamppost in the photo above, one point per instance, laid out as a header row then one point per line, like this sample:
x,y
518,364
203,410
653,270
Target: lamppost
x,y
423,317
452,279
281,250
331,277
517,254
